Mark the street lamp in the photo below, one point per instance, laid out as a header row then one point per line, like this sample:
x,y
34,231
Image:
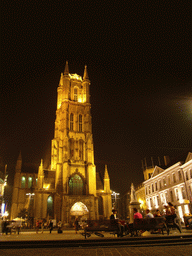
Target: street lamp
x,y
3,208
114,198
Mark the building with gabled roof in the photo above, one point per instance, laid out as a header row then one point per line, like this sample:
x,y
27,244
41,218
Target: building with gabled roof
x,y
173,184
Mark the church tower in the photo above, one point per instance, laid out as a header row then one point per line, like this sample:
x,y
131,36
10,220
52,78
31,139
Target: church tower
x,y
70,186
72,154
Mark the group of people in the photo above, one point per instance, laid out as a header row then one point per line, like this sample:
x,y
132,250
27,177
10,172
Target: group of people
x,y
40,225
9,226
170,215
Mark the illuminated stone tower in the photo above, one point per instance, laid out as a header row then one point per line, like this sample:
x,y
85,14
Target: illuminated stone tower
x,y
72,154
70,186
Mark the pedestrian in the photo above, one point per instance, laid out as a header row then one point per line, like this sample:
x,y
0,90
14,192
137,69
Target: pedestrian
x,y
42,226
148,215
50,226
37,226
76,225
59,227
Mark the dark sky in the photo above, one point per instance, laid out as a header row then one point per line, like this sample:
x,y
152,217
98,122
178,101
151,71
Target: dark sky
x,y
138,55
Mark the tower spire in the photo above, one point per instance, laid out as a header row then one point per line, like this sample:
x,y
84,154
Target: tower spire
x,y
106,181
85,76
19,163
66,71
106,176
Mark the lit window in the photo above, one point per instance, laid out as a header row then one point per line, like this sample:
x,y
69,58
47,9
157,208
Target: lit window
x,y
147,202
177,194
183,192
164,182
151,202
158,201
36,181
23,181
154,201
50,206
75,94
71,122
186,209
76,185
30,182
166,196
162,198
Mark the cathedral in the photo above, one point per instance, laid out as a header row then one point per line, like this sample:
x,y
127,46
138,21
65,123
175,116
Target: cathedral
x,y
71,186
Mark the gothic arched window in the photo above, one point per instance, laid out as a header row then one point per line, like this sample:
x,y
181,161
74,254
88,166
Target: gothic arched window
x,y
71,122
50,206
23,181
76,185
30,182
80,123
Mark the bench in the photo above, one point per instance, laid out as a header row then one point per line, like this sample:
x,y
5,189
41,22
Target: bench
x,y
157,223
97,227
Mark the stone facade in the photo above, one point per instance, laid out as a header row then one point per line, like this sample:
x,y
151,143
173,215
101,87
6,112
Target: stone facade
x,y
71,177
173,184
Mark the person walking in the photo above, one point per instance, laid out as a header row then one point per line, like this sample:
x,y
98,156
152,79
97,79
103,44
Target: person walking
x,y
37,226
76,225
50,226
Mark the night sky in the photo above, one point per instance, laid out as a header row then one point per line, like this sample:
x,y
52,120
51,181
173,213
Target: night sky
x,y
138,55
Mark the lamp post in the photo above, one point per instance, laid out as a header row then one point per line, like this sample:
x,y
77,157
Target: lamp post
x,y
30,207
114,199
3,207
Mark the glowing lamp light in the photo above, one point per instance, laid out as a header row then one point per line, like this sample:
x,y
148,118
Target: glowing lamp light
x,y
30,194
46,186
6,214
141,202
3,208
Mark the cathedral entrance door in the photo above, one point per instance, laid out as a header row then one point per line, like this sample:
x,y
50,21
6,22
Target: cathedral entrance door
x,y
79,209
